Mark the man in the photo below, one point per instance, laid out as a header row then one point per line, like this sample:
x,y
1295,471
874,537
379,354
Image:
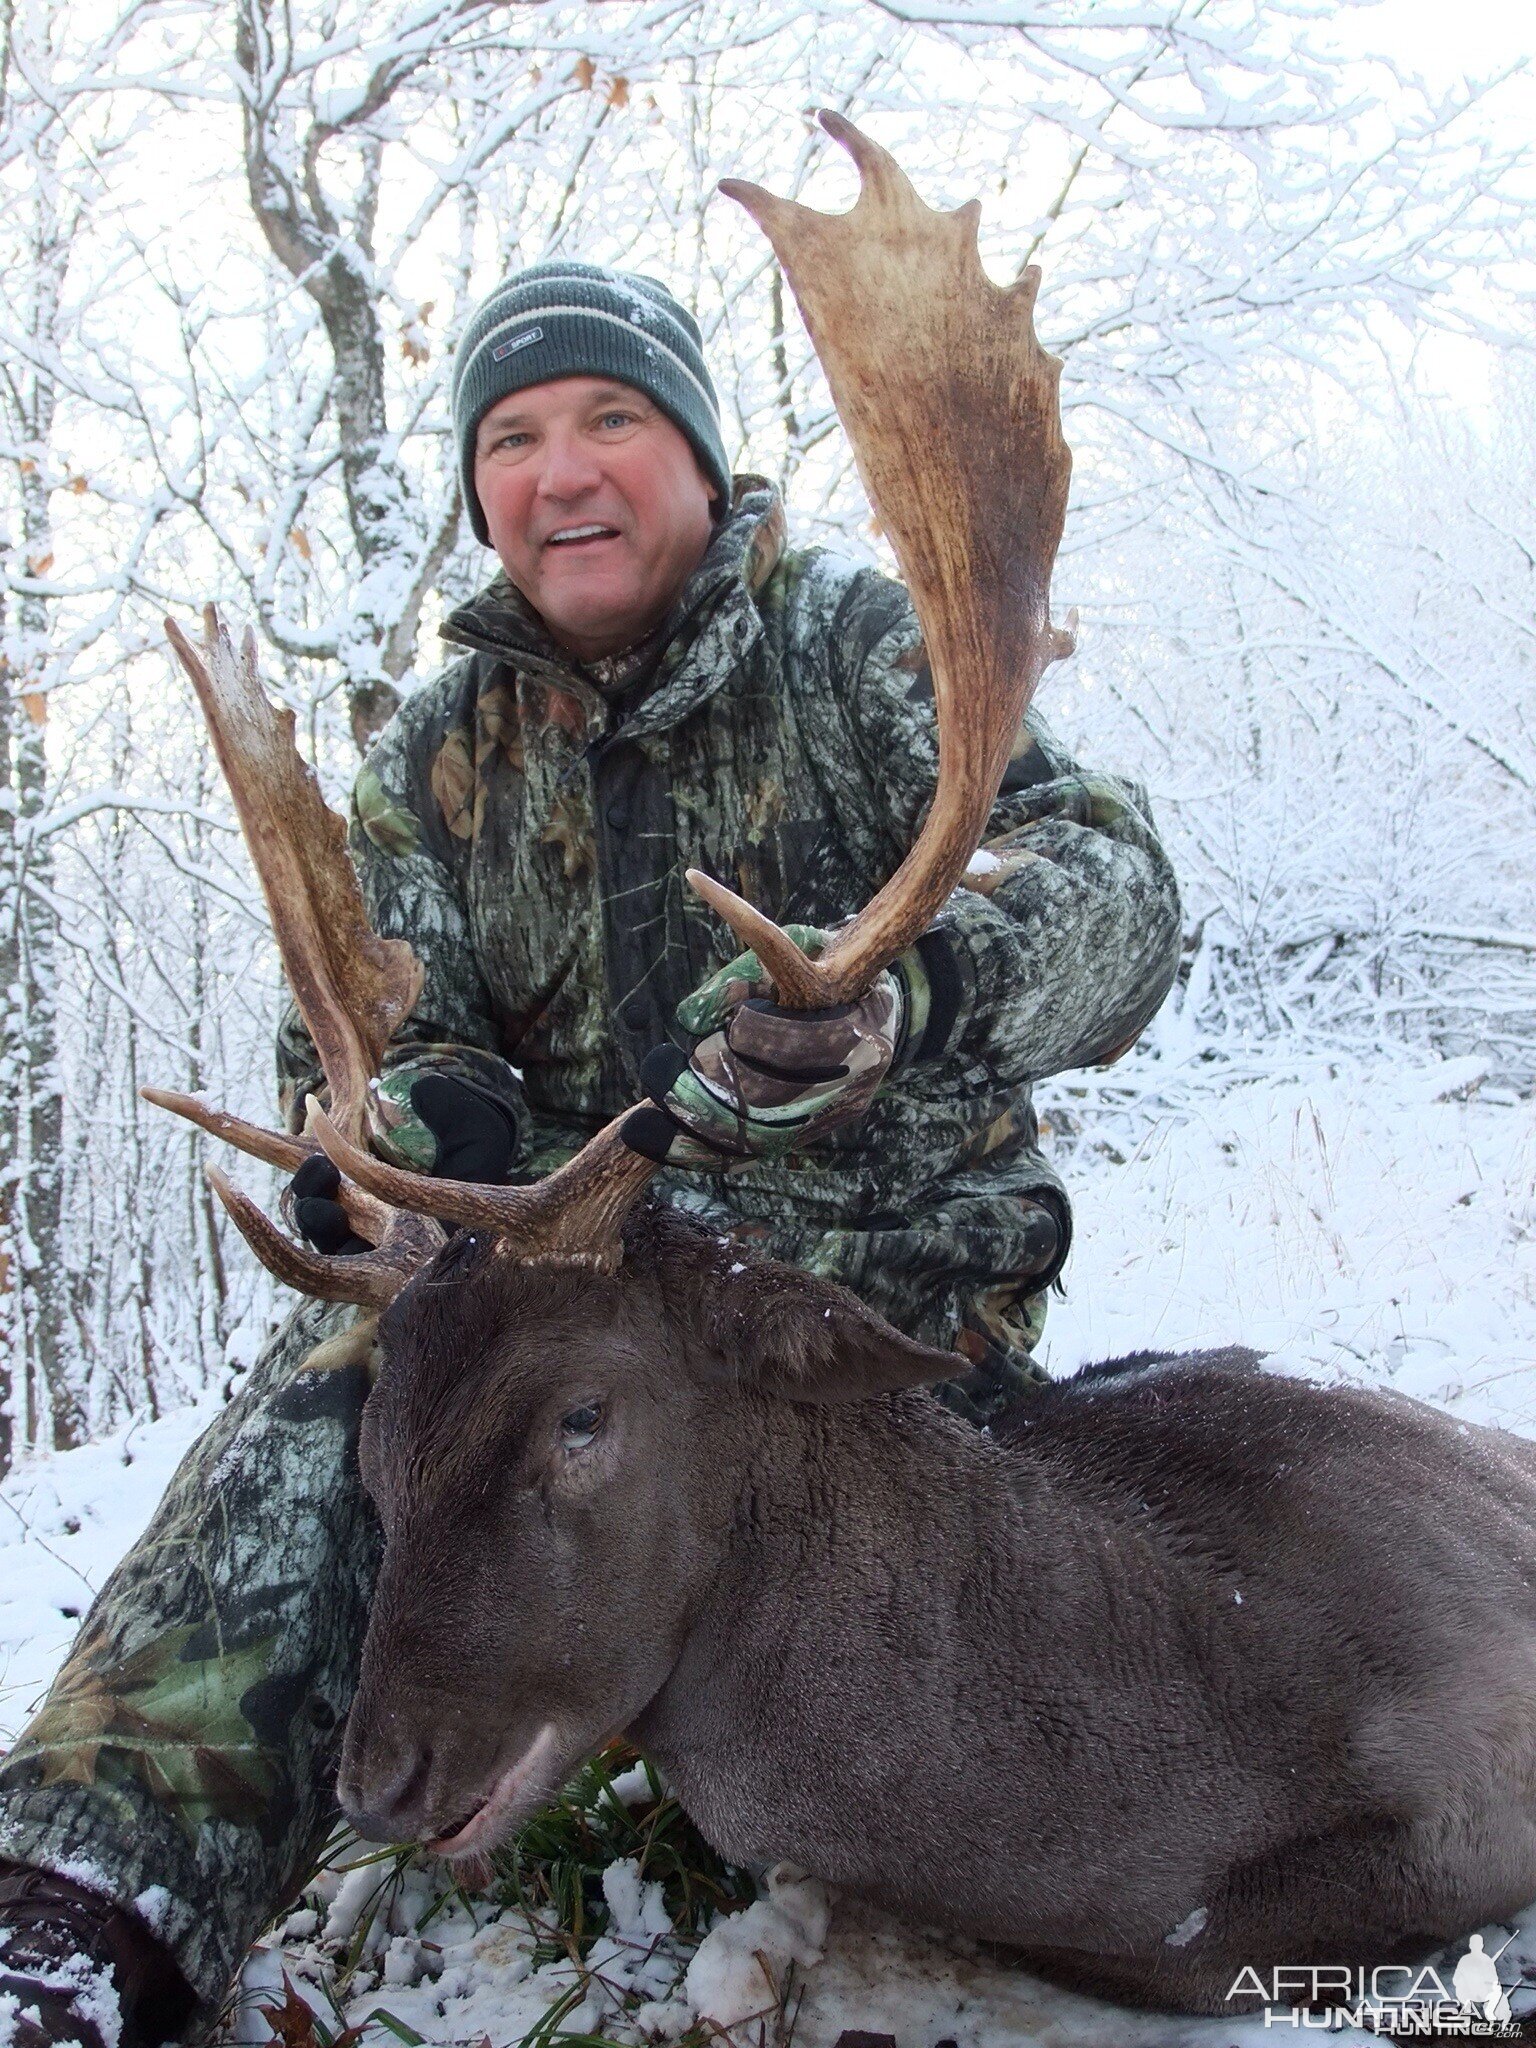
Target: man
x,y
656,681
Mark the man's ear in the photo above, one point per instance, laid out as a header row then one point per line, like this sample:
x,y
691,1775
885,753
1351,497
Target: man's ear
x,y
784,1332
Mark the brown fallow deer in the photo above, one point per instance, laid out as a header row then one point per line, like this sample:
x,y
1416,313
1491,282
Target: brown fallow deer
x,y
1183,1669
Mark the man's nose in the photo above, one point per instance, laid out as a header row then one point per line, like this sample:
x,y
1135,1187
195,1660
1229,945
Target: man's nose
x,y
568,468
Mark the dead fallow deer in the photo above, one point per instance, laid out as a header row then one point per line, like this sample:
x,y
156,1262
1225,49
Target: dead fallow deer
x,y
1184,1669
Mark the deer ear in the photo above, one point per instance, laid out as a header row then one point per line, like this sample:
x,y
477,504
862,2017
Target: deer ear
x,y
787,1333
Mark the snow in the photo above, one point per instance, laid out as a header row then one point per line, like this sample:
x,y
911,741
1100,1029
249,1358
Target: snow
x,y
741,1967
638,1907
93,1999
64,1522
95,2002
1352,1222
357,1892
1363,1221
1192,1924
155,1907
631,1787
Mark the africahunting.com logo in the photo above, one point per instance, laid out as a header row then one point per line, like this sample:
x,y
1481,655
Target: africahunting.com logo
x,y
1408,2004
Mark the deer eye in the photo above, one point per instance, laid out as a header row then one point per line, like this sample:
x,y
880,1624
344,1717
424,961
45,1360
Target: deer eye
x,y
578,1426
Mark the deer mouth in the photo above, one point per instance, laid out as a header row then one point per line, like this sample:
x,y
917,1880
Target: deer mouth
x,y
508,1798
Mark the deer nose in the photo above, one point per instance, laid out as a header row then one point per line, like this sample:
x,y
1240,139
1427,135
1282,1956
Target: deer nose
x,y
383,1798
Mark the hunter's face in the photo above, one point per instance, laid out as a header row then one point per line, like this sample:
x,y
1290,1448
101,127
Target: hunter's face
x,y
596,505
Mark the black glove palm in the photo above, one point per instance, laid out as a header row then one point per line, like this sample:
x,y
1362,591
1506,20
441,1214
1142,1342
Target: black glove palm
x,y
475,1140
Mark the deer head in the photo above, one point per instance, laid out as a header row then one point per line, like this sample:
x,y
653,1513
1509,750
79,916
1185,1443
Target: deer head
x,y
545,1377
557,1458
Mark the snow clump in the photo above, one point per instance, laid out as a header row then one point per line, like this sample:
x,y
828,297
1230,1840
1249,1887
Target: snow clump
x,y
726,1980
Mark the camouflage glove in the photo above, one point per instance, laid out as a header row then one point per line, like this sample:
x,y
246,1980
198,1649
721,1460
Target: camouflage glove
x,y
430,1122
764,1080
430,1118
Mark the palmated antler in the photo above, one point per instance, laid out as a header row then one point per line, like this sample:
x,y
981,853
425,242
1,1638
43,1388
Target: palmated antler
x,y
352,987
951,406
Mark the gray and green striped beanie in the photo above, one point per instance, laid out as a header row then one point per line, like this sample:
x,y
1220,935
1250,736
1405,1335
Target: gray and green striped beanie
x,y
563,319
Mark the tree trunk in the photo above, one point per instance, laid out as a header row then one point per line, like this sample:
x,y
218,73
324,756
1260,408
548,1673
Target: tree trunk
x,y
12,1381
44,1409
39,1195
336,269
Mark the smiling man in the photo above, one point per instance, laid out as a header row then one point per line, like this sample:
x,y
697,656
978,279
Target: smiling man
x,y
655,681
592,446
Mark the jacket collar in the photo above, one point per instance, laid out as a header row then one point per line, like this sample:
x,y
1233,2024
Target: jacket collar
x,y
713,622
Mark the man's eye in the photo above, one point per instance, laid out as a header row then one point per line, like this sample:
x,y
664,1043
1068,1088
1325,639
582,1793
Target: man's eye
x,y
623,418
580,1425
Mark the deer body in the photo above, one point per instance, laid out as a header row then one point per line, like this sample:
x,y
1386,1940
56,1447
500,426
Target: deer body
x,y
1010,1688
1184,1649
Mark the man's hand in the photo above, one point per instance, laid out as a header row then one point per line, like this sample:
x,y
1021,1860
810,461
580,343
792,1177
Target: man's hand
x,y
317,1216
764,1080
441,1125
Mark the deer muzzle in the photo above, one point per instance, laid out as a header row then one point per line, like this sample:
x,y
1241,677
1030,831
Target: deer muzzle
x,y
404,1784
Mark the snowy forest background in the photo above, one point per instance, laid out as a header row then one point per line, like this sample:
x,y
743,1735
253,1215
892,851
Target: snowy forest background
x,y
1292,291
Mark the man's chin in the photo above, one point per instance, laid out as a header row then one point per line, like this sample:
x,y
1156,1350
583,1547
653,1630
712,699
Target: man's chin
x,y
594,616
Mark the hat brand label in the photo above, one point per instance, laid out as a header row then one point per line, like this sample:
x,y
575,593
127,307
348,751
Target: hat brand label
x,y
510,348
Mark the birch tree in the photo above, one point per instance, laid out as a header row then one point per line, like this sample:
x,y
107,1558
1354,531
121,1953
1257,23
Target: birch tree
x,y
59,135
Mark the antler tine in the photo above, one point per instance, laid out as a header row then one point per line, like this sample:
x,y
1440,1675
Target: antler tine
x,y
369,1279
367,1216
352,987
572,1217
951,406
275,1148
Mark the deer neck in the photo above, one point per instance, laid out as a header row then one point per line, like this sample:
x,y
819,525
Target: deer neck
x,y
862,1537
910,1620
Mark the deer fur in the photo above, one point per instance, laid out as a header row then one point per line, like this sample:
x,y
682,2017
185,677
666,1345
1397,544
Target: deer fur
x,y
1180,1636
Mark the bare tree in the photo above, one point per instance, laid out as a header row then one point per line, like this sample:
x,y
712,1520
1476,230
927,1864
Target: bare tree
x,y
58,134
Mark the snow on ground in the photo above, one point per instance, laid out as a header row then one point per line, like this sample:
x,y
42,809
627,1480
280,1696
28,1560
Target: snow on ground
x,y
1356,1223
64,1523
1372,1222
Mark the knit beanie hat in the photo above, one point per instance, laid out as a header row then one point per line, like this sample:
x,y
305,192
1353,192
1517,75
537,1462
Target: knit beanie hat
x,y
564,319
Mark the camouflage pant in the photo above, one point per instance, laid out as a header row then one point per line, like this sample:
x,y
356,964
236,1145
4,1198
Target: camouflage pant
x,y
184,1760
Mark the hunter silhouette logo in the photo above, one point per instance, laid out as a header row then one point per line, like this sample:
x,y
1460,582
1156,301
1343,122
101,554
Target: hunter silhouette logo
x,y
1393,1999
1475,1980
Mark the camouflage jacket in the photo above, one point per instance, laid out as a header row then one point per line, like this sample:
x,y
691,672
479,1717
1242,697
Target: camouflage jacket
x,y
528,833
